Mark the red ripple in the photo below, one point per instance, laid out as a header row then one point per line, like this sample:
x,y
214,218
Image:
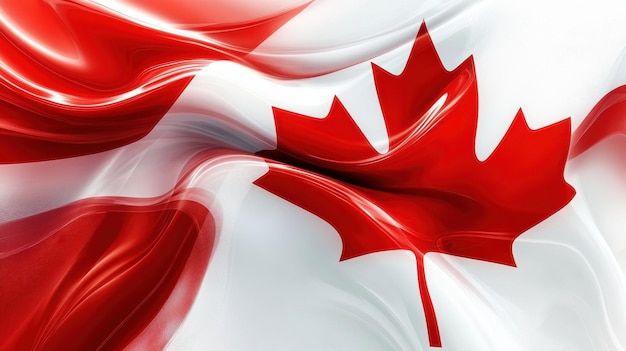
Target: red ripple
x,y
77,79
101,273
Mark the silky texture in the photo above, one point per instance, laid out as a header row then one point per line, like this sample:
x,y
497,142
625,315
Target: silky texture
x,y
80,79
102,274
311,175
429,192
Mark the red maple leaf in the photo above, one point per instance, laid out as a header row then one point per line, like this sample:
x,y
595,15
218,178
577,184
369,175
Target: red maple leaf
x,y
429,192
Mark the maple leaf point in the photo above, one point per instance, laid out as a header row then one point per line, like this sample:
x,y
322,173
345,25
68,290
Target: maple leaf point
x,y
429,193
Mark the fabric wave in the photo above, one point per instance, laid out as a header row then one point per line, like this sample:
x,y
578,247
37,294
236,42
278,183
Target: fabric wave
x,y
310,175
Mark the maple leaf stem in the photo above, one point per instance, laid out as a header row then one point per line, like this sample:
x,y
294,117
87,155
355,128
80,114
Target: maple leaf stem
x,y
429,311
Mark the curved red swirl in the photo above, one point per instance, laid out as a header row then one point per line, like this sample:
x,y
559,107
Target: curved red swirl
x,y
101,273
77,79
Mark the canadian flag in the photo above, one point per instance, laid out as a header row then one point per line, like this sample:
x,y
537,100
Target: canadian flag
x,y
312,175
